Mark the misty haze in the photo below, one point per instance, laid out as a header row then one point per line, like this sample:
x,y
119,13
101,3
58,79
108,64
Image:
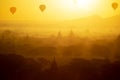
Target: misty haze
x,y
59,40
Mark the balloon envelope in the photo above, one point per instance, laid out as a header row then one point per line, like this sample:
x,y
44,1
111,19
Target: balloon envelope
x,y
42,7
13,10
114,5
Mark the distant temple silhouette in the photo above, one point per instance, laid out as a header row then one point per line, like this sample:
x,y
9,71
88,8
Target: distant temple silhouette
x,y
54,66
54,70
59,36
71,34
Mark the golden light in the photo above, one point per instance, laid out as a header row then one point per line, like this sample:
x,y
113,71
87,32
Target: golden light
x,y
87,5
56,9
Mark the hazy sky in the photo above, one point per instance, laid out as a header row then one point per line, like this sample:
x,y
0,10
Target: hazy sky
x,y
28,10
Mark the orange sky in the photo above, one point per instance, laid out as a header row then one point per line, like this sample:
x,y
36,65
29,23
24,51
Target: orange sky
x,y
28,10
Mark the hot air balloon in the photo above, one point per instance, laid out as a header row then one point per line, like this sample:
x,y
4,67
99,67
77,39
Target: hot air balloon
x,y
13,10
114,5
42,7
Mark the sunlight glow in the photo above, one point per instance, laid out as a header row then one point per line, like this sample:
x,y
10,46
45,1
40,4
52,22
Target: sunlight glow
x,y
56,10
87,5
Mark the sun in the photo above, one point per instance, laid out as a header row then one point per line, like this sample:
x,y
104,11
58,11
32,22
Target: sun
x,y
87,5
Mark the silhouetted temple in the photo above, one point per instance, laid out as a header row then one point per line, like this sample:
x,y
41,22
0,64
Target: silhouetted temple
x,y
54,73
54,66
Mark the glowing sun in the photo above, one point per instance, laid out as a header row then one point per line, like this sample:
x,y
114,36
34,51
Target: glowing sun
x,y
86,5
